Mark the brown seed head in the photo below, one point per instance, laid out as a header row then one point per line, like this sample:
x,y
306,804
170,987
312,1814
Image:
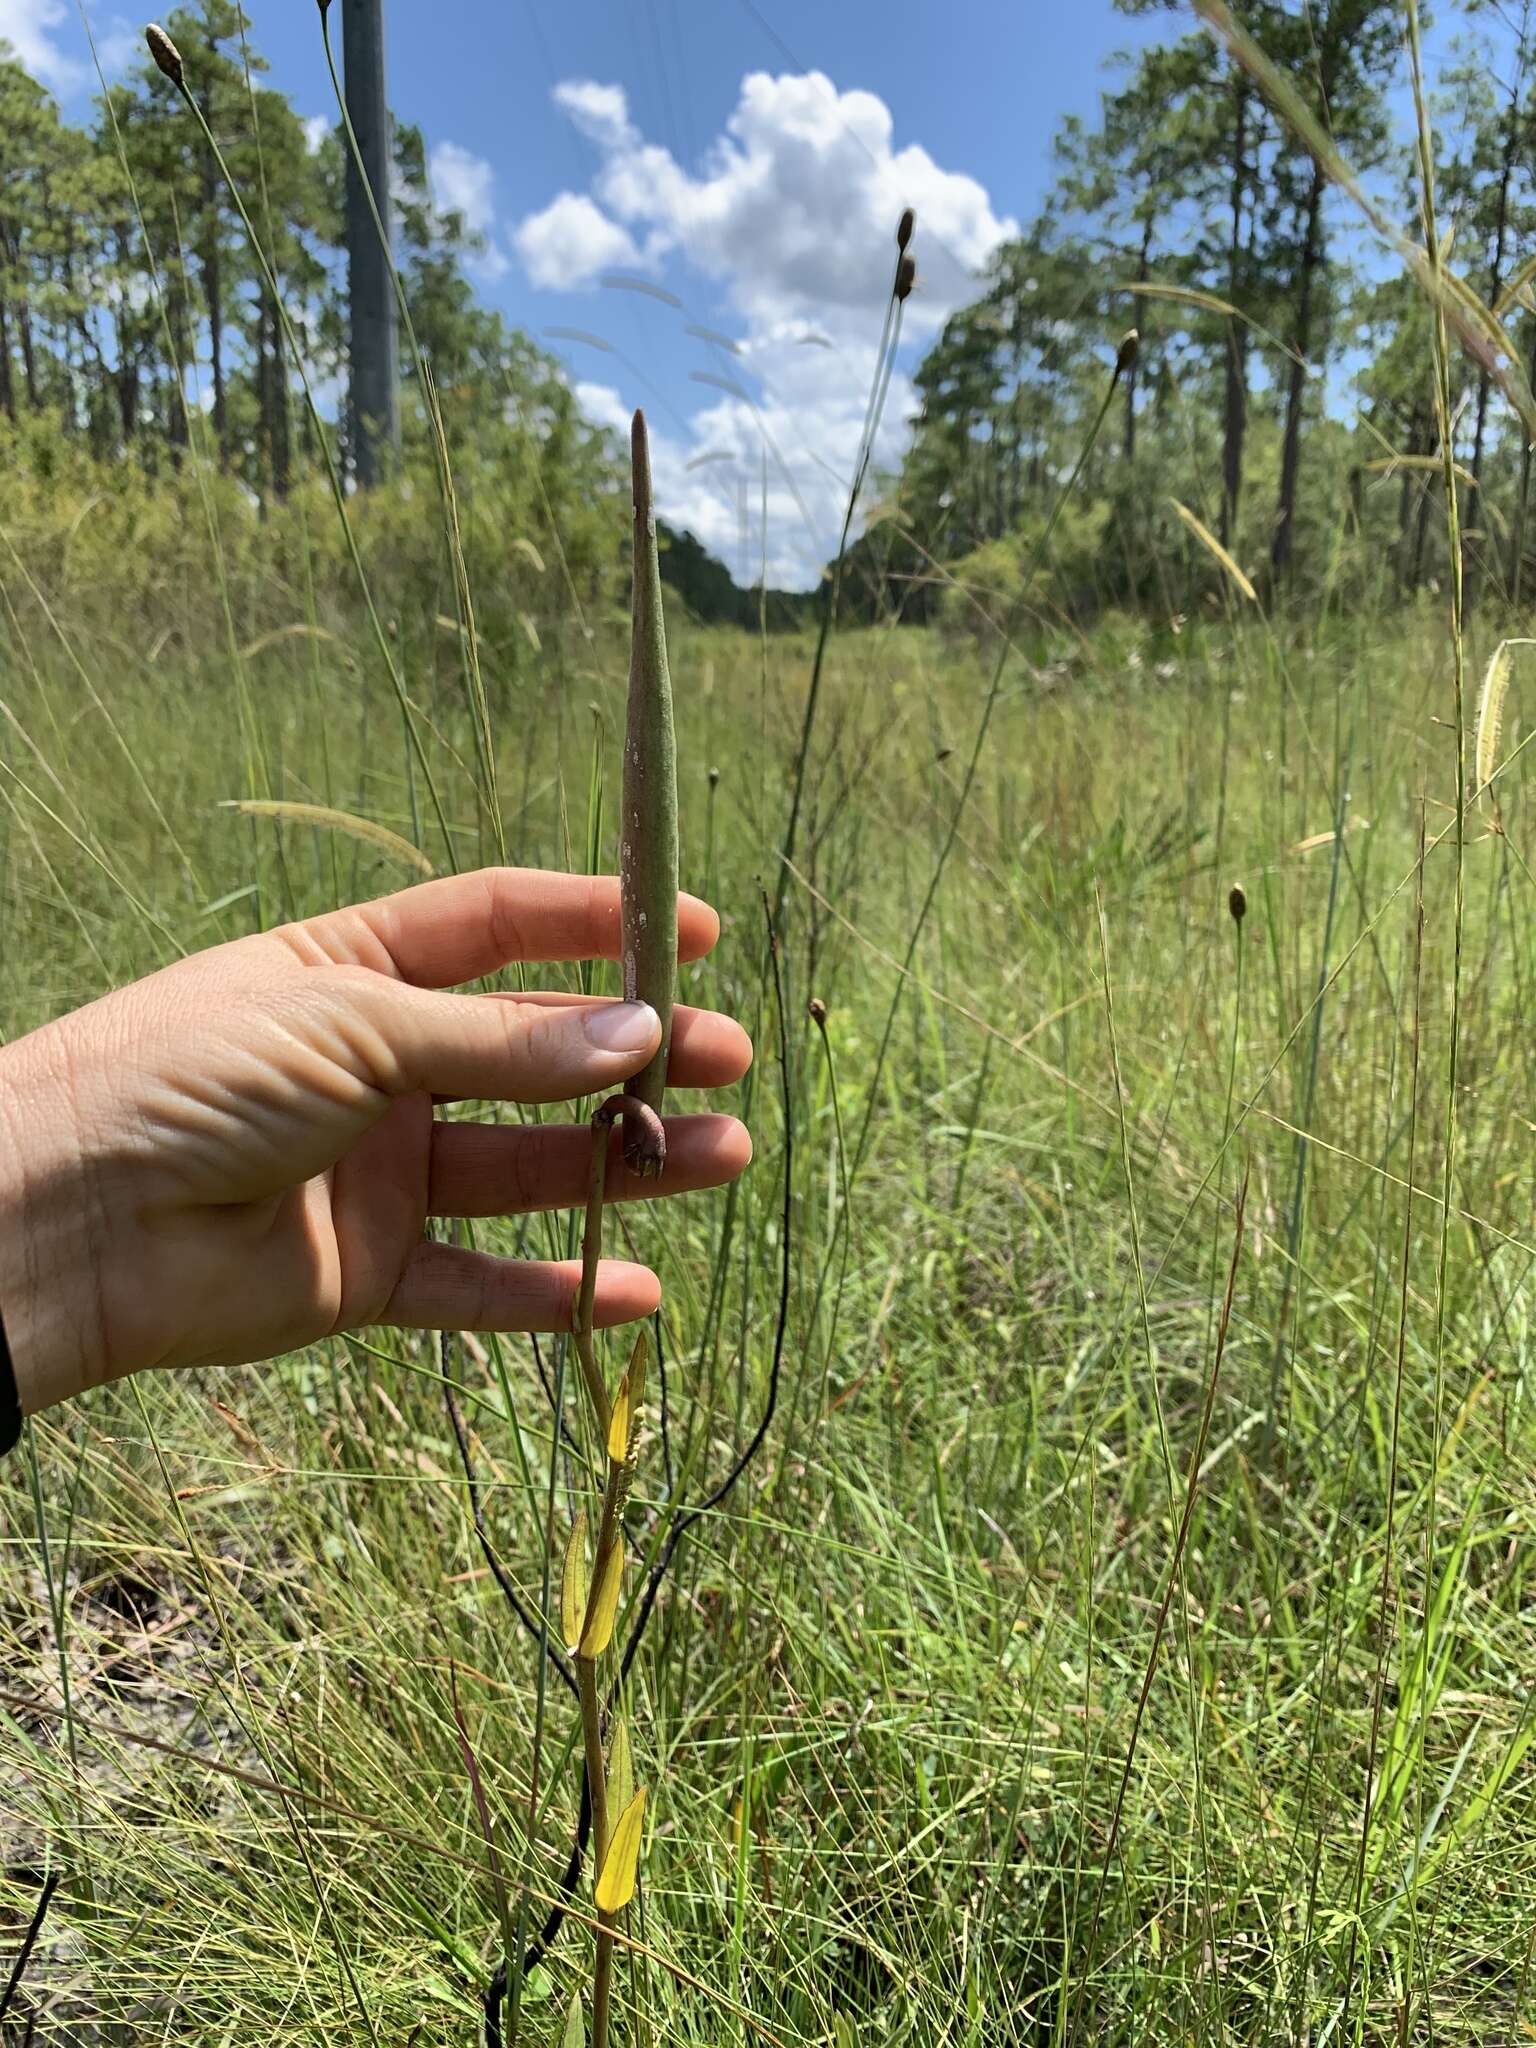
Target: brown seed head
x,y
904,227
1237,902
906,276
1125,354
714,778
817,1010
164,52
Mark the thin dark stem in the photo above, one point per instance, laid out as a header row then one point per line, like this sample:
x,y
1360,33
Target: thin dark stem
x,y
549,1394
499,1572
689,1516
24,1953
880,384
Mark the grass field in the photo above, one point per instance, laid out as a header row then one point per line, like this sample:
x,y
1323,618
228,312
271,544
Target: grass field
x,y
1066,1668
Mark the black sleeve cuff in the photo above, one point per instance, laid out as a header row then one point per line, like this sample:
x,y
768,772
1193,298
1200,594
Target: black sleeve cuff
x,y
10,1400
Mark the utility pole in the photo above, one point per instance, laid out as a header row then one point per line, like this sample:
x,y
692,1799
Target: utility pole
x,y
375,395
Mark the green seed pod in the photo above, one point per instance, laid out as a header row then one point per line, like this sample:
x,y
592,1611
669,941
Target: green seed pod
x,y
648,817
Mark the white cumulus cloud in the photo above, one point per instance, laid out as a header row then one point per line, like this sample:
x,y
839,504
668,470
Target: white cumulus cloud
x,y
28,26
789,218
36,33
793,207
571,243
463,183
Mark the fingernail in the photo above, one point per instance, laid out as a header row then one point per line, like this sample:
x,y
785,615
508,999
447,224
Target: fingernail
x,y
622,1027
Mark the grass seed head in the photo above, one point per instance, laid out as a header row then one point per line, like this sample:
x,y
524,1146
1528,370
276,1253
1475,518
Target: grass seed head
x,y
165,53
817,1010
904,228
906,276
1127,352
1490,717
1237,902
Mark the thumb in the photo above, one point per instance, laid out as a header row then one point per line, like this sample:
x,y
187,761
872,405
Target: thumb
x,y
498,1049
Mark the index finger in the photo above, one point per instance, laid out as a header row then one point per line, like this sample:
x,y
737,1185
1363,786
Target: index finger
x,y
461,927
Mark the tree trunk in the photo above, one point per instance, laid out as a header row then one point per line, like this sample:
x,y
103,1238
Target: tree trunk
x,y
1235,400
177,425
72,368
127,381
1282,548
1404,514
274,394
213,293
1517,537
1142,265
7,381
1495,280
10,250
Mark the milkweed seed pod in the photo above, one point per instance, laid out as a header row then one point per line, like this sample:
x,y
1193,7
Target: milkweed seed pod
x,y
648,819
904,227
165,53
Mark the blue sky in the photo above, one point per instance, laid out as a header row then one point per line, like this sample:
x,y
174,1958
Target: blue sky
x,y
748,156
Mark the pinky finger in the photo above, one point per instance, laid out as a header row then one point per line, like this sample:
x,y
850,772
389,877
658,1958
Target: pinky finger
x,y
444,1287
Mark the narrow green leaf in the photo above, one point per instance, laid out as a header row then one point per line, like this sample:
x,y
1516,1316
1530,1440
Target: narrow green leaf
x,y
574,2034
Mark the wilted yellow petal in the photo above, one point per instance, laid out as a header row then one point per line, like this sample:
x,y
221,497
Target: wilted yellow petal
x,y
574,1583
616,1885
604,1604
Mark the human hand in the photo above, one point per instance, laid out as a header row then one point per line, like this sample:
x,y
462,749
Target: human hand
x,y
237,1155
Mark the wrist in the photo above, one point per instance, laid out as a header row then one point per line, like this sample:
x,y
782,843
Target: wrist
x,y
47,1284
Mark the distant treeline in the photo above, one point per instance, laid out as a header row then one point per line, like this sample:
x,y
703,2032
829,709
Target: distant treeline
x,y
710,592
1283,389
1281,396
